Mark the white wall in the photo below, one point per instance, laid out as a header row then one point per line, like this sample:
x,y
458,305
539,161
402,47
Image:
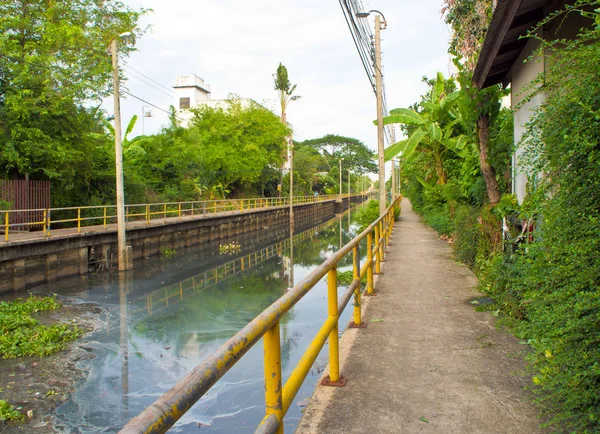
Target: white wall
x,y
523,74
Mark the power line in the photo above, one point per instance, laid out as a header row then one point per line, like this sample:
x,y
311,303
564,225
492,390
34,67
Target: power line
x,y
126,65
172,95
150,104
363,40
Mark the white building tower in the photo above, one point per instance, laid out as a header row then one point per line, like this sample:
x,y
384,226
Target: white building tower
x,y
191,92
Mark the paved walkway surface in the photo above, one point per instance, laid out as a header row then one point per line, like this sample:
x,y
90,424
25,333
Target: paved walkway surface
x,y
428,362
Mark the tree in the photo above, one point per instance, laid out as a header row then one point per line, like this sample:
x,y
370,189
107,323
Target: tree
x,y
53,61
433,131
236,147
469,20
54,58
354,153
284,88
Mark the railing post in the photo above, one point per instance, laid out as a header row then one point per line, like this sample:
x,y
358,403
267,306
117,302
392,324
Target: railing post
x,y
370,263
44,222
382,245
273,381
104,220
6,225
203,208
377,250
388,226
357,323
148,214
165,212
192,209
49,220
334,378
179,211
78,220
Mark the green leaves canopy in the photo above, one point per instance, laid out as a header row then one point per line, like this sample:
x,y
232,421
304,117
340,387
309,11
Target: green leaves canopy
x,y
54,58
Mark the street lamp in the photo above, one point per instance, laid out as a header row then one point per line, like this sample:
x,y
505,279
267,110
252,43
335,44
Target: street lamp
x,y
379,92
340,192
348,187
123,259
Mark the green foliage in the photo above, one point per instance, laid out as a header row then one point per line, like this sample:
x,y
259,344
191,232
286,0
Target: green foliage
x,y
9,414
431,127
345,278
469,20
284,87
552,287
22,335
367,215
52,63
235,150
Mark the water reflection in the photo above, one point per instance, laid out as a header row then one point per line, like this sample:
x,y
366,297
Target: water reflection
x,y
159,326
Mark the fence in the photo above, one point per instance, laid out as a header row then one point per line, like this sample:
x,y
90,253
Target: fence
x,y
28,200
167,409
78,217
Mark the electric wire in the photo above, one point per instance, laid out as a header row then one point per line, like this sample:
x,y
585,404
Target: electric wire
x,y
363,40
150,104
172,95
126,65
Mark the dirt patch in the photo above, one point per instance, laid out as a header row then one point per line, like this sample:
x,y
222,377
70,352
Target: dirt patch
x,y
38,385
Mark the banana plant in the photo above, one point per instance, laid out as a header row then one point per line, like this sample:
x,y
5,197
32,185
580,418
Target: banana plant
x,y
432,129
131,148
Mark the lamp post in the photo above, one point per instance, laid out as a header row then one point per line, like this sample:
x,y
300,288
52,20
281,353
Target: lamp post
x,y
123,261
340,192
379,93
348,187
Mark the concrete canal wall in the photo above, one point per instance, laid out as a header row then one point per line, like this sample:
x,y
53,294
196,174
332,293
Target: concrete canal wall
x,y
33,262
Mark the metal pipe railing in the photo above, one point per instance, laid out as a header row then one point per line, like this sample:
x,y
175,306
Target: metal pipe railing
x,y
171,406
78,217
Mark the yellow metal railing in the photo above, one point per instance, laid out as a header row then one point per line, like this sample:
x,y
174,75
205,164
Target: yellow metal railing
x,y
78,217
171,406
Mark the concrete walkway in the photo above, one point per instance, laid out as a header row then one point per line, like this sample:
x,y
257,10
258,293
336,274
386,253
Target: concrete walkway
x,y
427,362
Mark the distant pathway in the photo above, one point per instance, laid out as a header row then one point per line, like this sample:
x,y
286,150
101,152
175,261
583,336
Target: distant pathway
x,y
427,362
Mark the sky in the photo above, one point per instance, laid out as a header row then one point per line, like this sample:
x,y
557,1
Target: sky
x,y
236,46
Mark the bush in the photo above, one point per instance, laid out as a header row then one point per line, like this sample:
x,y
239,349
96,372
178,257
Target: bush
x,y
367,215
465,235
552,285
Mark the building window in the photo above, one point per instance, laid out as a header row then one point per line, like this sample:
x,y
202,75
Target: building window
x,y
184,103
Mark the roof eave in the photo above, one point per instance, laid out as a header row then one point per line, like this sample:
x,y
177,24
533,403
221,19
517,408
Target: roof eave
x,y
500,25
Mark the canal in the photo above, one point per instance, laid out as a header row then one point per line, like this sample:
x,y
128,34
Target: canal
x,y
169,315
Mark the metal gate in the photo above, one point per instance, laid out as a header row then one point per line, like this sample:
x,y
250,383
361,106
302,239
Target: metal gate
x,y
31,196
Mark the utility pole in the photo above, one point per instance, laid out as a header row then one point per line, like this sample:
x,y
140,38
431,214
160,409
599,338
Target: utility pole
x,y
123,260
379,91
393,179
399,174
393,136
340,193
291,157
348,187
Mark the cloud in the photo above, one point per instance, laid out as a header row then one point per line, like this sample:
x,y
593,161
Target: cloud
x,y
236,45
